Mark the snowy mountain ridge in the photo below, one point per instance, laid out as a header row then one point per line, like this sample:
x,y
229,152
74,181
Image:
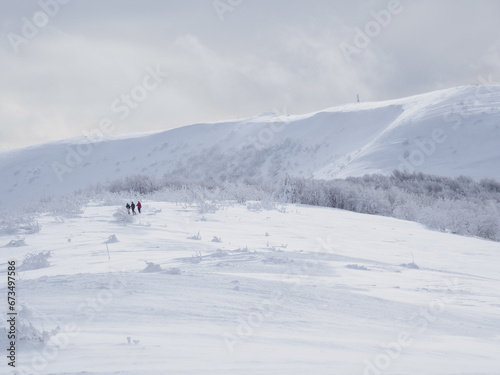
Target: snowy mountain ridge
x,y
449,132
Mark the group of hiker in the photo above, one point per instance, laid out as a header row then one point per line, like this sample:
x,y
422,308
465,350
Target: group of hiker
x,y
132,206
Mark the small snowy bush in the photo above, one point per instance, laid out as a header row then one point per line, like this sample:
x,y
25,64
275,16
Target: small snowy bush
x,y
35,261
123,217
196,237
411,265
254,206
356,267
27,332
12,222
219,254
196,257
64,206
16,243
152,267
141,184
112,239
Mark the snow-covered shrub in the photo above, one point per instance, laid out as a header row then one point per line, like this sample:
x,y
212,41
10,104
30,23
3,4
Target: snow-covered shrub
x,y
219,254
123,217
490,185
151,268
196,257
457,205
131,341
64,206
196,237
207,206
112,239
489,223
259,206
141,184
432,217
16,222
18,242
407,210
27,332
35,261
356,267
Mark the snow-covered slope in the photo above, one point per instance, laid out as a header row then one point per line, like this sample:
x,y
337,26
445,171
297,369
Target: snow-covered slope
x,y
293,290
451,132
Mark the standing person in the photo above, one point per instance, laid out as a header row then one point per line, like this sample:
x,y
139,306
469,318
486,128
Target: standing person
x,y
128,208
139,206
133,208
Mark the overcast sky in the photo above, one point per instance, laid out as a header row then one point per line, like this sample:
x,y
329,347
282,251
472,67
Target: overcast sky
x,y
68,67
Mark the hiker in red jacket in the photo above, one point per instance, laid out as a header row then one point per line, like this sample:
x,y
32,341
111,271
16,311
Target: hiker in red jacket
x,y
139,205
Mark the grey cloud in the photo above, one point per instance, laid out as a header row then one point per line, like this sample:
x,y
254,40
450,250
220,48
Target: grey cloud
x,y
263,55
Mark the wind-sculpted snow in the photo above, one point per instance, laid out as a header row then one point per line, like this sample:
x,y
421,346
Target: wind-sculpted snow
x,y
450,133
293,290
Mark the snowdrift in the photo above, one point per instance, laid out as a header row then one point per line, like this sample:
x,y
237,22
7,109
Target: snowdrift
x,y
292,290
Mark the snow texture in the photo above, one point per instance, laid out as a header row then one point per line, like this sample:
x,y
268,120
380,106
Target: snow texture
x,y
299,290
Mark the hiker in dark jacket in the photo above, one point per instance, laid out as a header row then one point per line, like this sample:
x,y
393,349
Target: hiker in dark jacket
x,y
133,208
128,208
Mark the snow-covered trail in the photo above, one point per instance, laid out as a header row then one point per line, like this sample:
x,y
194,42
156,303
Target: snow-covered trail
x,y
292,290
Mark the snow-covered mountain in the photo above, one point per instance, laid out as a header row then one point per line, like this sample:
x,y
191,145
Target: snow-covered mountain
x,y
450,132
235,287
